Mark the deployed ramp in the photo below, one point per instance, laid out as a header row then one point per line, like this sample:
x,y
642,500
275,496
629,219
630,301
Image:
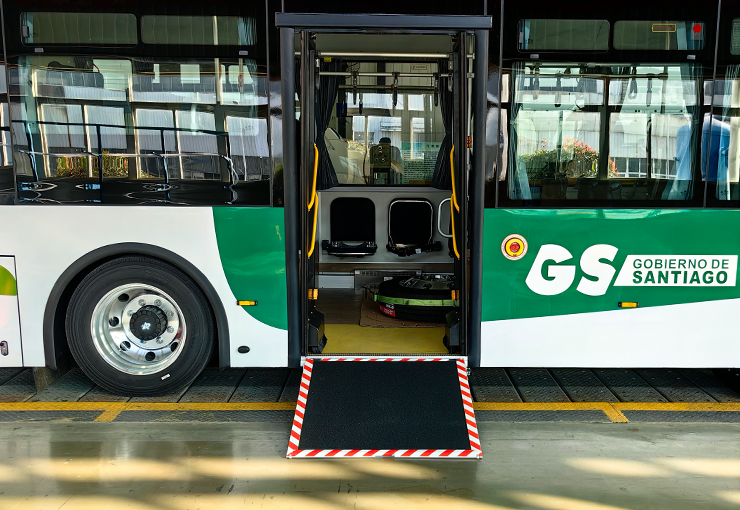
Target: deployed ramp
x,y
384,407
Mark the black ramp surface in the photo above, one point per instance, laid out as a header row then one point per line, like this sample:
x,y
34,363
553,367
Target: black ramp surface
x,y
384,405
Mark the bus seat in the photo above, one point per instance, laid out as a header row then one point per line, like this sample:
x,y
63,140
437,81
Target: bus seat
x,y
352,228
411,227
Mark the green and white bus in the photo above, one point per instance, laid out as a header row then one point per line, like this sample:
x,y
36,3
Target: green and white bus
x,y
522,185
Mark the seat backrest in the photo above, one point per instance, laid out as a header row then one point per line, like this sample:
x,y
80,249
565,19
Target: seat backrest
x,y
410,222
352,220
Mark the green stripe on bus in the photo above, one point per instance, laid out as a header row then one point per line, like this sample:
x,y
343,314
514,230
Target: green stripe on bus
x,y
646,267
7,283
251,244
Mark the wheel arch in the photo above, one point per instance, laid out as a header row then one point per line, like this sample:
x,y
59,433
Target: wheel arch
x,y
55,341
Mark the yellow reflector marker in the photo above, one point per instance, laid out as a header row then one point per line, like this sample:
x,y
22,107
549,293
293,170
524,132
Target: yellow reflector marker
x,y
246,303
313,294
627,304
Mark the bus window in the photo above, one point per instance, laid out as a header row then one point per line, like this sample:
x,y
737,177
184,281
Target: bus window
x,y
199,30
721,150
569,143
78,28
555,129
659,35
563,35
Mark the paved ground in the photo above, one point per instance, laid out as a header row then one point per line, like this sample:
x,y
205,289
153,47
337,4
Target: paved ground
x,y
508,395
574,466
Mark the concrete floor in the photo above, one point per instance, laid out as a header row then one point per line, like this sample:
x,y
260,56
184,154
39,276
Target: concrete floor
x,y
172,466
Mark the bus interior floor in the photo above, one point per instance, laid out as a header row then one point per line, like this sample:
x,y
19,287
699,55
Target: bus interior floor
x,y
347,334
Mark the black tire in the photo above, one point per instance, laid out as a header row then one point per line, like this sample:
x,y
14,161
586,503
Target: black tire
x,y
194,335
395,288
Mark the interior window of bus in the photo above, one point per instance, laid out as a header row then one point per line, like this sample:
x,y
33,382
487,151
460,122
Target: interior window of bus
x,y
659,35
568,143
387,139
563,35
199,30
78,28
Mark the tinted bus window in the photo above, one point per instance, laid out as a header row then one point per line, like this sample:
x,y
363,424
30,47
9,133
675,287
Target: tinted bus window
x,y
199,30
76,28
603,132
659,35
563,34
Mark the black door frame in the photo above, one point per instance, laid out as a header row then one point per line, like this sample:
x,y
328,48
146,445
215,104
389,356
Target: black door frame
x,y
294,178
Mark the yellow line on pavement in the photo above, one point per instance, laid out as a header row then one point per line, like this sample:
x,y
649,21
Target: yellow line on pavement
x,y
677,406
109,411
612,413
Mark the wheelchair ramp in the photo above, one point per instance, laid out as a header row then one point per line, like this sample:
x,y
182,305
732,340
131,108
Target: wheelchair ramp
x,y
384,407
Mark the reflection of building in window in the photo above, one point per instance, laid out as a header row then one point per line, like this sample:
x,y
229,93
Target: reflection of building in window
x,y
151,142
63,136
198,149
248,146
558,123
107,140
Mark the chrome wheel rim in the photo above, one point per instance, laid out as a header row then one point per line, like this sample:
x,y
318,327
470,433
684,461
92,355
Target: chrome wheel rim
x,y
138,329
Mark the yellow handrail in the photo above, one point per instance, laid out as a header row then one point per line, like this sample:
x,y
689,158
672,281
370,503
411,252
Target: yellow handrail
x,y
314,200
315,221
315,174
452,176
452,220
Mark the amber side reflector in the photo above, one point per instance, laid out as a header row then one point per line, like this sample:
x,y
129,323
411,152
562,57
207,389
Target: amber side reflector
x,y
313,294
246,303
627,304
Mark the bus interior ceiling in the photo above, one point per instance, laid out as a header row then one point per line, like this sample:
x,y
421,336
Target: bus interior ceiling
x,y
378,227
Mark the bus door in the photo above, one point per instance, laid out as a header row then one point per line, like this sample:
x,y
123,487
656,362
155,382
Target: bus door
x,y
463,176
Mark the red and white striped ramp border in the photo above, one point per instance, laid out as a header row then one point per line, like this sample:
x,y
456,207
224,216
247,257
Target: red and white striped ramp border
x,y
295,434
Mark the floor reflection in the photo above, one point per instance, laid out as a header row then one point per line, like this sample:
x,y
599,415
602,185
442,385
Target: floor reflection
x,y
546,466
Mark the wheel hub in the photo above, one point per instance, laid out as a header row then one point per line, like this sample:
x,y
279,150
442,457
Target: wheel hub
x,y
148,323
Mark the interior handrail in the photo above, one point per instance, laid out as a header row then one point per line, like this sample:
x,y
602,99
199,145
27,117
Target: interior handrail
x,y
315,175
452,178
453,202
452,222
314,200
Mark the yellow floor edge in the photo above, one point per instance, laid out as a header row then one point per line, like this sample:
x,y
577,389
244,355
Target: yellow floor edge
x,y
351,338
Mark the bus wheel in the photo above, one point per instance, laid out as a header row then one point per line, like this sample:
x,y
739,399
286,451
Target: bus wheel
x,y
139,326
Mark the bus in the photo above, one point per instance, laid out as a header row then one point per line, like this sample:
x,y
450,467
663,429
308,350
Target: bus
x,y
254,184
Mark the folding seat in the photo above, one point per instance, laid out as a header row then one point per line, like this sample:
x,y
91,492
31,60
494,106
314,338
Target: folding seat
x,y
352,225
411,227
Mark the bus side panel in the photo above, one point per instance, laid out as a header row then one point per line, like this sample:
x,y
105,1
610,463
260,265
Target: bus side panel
x,y
251,244
10,328
46,240
611,288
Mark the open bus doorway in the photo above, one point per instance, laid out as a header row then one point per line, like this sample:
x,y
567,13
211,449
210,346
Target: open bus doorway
x,y
383,137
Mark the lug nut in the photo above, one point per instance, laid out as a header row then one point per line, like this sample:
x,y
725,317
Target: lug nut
x,y
169,314
130,313
157,303
170,329
142,302
159,340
